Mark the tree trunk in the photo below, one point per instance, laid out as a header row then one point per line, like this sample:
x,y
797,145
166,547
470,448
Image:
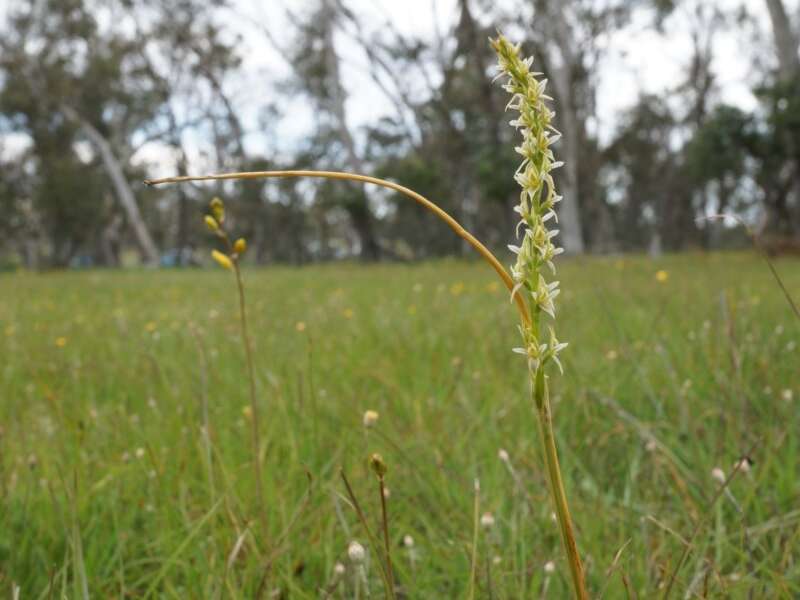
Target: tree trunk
x,y
123,190
358,208
568,121
786,41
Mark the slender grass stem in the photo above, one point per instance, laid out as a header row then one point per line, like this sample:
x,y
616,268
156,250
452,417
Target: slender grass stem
x,y
390,593
687,547
473,571
485,253
386,543
251,378
542,400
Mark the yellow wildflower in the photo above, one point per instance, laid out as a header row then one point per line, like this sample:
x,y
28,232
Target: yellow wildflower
x,y
211,223
222,259
457,289
218,210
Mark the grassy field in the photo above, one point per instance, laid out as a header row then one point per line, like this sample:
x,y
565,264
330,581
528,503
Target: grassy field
x,y
109,487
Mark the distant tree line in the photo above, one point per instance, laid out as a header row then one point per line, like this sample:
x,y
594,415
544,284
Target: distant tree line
x,y
86,87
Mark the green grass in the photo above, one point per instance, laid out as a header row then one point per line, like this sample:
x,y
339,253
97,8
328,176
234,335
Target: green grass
x,y
107,486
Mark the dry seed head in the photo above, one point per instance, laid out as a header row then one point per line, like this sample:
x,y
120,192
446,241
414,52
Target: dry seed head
x,y
377,464
718,474
356,552
370,418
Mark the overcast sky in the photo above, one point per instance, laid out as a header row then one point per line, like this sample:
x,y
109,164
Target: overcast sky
x,y
635,59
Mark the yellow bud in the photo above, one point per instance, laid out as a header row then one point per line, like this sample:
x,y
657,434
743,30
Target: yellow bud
x,y
222,259
218,210
377,465
211,223
240,247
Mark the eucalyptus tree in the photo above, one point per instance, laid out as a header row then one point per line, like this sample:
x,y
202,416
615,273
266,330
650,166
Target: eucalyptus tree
x,y
77,92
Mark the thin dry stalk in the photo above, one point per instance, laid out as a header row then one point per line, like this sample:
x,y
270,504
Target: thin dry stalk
x,y
475,528
754,238
251,379
420,199
385,523
372,540
690,542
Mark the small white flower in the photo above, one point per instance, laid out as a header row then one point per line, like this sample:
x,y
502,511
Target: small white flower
x,y
408,541
502,455
487,519
718,474
356,552
538,195
549,567
743,465
140,453
787,395
339,569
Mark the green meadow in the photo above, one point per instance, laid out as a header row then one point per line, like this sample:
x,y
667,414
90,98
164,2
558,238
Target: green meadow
x,y
126,467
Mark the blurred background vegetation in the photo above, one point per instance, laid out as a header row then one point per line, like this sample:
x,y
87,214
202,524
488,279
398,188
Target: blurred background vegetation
x,y
97,96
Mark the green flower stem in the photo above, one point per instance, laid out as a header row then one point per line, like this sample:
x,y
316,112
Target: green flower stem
x,y
541,398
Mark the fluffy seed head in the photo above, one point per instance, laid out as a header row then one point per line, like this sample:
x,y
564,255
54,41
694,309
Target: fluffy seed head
x,y
370,418
356,552
718,475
